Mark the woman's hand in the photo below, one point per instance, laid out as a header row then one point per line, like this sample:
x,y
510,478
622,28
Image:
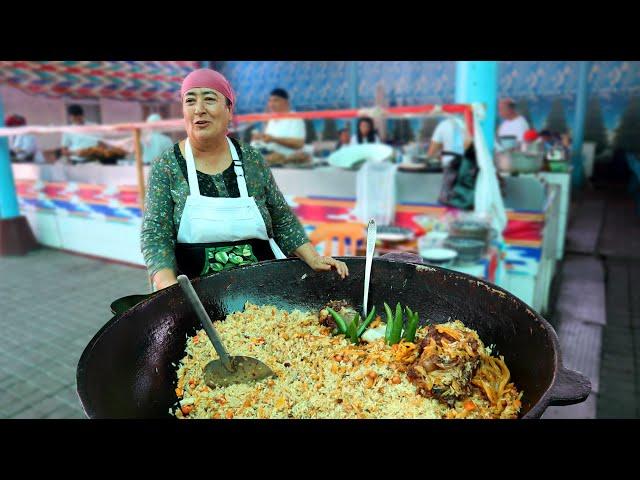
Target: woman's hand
x,y
320,264
309,254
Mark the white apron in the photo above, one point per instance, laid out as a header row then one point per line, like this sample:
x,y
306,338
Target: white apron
x,y
208,220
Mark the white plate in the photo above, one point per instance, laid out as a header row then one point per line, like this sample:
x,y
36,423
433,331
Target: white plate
x,y
412,166
394,237
347,157
438,254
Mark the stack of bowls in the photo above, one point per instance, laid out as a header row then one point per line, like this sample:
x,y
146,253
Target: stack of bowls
x,y
469,250
470,238
469,229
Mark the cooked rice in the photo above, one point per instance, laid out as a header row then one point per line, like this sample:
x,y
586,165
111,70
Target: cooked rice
x,y
318,375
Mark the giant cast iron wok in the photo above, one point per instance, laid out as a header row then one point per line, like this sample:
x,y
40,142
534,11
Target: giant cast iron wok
x,y
126,370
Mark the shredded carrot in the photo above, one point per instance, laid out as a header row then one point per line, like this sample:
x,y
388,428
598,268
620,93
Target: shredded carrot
x,y
196,339
449,331
469,405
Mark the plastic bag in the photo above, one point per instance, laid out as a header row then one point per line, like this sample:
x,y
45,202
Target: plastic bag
x,y
376,192
459,180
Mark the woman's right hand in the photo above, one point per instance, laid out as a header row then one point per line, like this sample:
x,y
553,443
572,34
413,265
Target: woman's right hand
x,y
164,278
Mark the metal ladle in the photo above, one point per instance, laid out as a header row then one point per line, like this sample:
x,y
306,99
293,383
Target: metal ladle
x,y
227,370
371,246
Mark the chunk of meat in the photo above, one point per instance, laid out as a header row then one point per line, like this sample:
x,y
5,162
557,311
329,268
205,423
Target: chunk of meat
x,y
447,362
340,306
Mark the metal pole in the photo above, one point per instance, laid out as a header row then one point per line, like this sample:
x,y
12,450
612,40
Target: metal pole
x,y
578,129
478,82
353,67
8,198
139,166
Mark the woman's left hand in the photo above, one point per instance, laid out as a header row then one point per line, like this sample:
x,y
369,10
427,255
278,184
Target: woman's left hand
x,y
320,264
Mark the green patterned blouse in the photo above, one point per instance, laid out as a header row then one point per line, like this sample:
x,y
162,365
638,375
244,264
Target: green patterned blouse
x,y
167,193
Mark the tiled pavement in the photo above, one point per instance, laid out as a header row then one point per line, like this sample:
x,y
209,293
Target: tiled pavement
x,y
598,309
619,245
51,305
578,320
620,370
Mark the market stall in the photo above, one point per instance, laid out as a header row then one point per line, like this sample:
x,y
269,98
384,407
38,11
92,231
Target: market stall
x,y
77,207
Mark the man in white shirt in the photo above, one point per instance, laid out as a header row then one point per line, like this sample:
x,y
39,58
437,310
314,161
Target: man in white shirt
x,y
283,137
23,147
513,124
449,136
73,142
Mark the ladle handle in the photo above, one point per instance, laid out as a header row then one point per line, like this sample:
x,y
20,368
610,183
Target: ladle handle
x,y
203,316
371,246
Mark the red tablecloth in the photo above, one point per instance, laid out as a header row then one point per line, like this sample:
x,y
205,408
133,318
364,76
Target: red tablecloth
x,y
524,228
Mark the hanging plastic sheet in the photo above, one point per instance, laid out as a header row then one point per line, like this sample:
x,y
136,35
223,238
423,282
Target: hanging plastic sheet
x,y
376,192
488,201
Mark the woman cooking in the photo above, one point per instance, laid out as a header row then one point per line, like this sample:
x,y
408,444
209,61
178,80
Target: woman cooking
x,y
212,203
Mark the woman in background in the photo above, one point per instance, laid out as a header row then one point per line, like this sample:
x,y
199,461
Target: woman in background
x,y
366,132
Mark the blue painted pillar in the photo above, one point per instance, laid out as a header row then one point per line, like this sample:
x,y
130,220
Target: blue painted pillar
x,y
578,126
8,198
478,82
353,74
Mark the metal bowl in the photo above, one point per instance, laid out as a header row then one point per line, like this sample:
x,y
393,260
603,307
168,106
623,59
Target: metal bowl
x,y
519,162
469,249
469,229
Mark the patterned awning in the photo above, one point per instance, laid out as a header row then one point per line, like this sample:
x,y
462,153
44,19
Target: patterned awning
x,y
121,80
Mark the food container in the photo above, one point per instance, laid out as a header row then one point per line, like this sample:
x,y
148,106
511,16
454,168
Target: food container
x,y
513,161
558,166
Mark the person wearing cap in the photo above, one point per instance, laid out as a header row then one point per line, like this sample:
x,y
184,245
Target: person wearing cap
x,y
24,147
513,124
153,142
212,202
73,142
283,137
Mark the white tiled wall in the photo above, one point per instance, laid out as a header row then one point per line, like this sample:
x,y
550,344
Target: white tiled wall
x,y
38,110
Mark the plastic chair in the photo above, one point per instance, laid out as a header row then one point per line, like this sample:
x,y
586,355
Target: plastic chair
x,y
341,231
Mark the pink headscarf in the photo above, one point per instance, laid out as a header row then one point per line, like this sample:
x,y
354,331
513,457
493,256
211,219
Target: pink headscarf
x,y
206,77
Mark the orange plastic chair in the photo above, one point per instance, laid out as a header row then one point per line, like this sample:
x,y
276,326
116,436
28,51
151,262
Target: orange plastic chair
x,y
329,231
